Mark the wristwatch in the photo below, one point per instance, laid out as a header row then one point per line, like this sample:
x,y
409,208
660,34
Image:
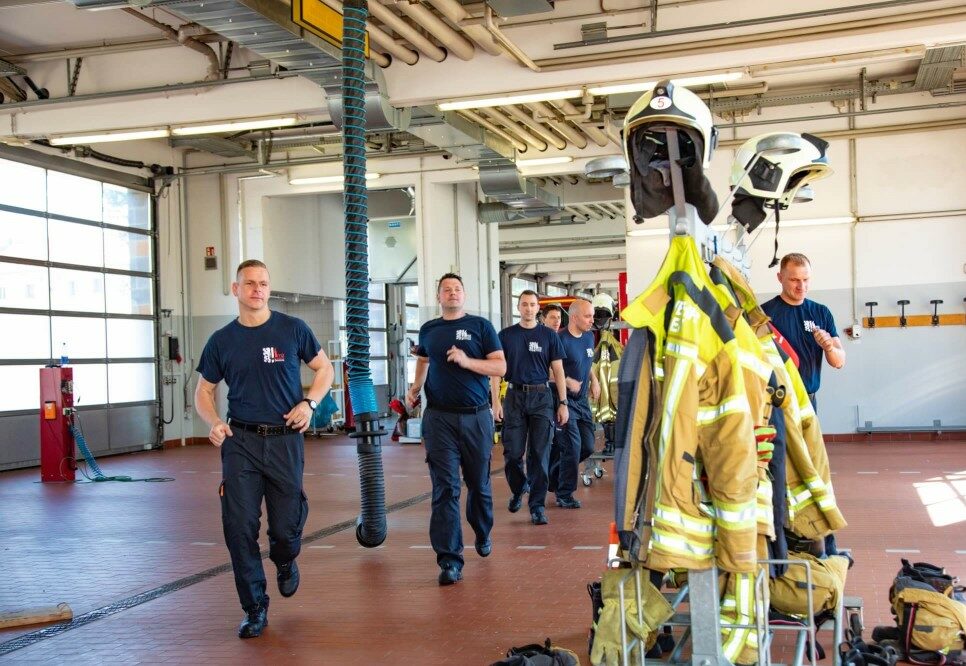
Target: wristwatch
x,y
312,403
562,402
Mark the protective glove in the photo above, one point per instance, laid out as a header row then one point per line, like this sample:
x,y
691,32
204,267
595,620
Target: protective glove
x,y
764,438
607,636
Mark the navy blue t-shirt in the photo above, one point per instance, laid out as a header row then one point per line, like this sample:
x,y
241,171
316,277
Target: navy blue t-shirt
x,y
261,365
580,356
797,323
529,352
447,384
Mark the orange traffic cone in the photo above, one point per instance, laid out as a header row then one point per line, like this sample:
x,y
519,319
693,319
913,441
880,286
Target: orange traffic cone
x,y
612,545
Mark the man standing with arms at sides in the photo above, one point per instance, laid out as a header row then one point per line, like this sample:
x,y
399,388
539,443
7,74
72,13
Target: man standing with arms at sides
x,y
258,355
457,354
810,330
529,409
552,317
578,343
808,326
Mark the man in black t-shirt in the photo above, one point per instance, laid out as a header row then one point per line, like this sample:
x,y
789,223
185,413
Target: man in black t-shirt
x,y
258,355
529,410
456,354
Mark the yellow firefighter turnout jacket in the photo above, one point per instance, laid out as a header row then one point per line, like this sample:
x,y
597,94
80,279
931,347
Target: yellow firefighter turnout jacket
x,y
704,415
812,510
607,358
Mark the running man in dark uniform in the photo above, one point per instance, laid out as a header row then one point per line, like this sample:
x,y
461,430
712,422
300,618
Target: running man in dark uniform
x,y
258,355
529,410
457,354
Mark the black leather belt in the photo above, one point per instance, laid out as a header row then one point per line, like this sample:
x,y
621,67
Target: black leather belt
x,y
261,428
527,388
459,410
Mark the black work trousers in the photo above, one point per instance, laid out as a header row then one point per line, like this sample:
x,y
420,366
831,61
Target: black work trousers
x,y
527,431
454,441
255,467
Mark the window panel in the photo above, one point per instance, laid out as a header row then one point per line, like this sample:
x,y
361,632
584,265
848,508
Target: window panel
x,y
90,385
377,315
19,387
126,208
412,319
380,372
410,370
84,337
24,286
127,294
130,382
74,196
412,294
554,290
25,336
23,236
130,338
31,185
80,291
126,251
377,343
377,291
72,243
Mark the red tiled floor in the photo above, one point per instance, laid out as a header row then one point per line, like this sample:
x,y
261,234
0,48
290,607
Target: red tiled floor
x,y
91,545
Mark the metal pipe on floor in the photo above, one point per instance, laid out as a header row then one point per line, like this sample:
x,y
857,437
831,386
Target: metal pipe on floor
x,y
456,43
497,115
536,127
541,111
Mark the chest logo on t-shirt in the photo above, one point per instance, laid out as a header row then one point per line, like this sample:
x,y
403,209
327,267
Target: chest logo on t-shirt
x,y
535,347
462,334
810,326
590,352
272,355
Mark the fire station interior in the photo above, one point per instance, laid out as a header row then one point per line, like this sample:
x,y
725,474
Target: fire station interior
x,y
147,148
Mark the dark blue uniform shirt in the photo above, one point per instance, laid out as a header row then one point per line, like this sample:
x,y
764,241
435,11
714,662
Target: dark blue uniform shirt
x,y
580,356
261,365
529,352
797,323
447,384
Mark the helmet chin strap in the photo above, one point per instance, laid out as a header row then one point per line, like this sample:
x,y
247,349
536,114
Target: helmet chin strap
x,y
774,259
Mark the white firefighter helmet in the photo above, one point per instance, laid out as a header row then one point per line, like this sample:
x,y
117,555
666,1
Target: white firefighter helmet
x,y
670,104
778,175
603,301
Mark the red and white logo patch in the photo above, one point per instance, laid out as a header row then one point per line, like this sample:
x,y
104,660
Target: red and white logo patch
x,y
272,355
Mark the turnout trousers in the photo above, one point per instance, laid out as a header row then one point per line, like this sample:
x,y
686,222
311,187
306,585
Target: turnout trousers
x,y
453,442
528,429
255,467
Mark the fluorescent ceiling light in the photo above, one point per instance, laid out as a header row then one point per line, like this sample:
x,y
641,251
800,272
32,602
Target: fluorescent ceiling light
x,y
637,233
235,126
322,180
819,222
543,161
133,135
510,99
641,86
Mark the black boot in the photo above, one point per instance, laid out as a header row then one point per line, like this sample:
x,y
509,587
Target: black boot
x,y
255,621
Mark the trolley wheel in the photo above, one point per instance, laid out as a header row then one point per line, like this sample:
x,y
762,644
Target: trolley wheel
x,y
598,472
585,478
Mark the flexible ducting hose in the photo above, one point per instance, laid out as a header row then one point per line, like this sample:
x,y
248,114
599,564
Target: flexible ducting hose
x,y
371,526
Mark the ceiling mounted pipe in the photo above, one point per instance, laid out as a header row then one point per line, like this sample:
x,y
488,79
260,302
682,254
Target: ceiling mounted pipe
x,y
214,66
544,113
407,32
456,43
537,128
595,134
455,13
483,122
521,132
382,39
505,42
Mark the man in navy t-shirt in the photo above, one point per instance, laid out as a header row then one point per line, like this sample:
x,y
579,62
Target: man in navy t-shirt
x,y
808,326
258,355
578,343
529,409
457,354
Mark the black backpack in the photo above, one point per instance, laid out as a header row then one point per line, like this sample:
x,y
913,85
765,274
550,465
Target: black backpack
x,y
538,655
